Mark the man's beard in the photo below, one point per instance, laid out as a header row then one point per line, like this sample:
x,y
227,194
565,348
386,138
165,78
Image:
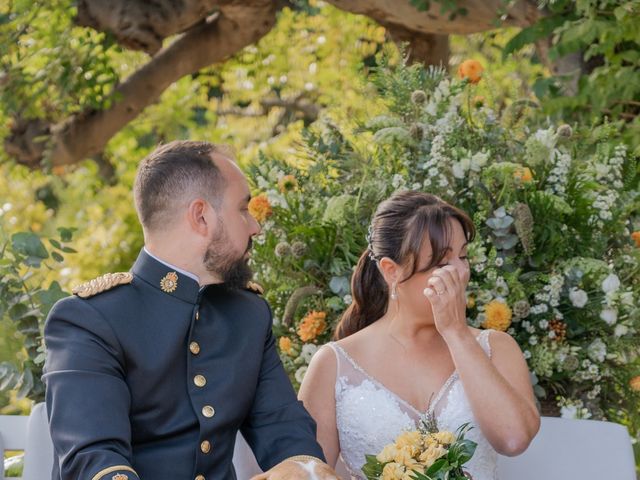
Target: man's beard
x,y
219,260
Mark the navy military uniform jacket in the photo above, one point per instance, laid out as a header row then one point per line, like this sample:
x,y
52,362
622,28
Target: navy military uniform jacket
x,y
152,379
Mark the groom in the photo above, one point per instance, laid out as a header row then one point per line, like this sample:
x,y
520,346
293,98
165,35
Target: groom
x,y
151,373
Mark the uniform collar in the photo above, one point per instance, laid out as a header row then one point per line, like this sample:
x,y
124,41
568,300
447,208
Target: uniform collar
x,y
166,278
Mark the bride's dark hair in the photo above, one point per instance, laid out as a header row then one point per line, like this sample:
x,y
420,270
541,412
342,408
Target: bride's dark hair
x,y
397,231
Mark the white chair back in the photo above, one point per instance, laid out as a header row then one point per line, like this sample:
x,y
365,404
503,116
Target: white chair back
x,y
30,434
573,450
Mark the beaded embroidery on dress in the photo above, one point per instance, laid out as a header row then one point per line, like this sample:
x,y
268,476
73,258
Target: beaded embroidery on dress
x,y
369,416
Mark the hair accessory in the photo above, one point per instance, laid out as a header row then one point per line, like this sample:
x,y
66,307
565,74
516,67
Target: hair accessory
x,y
369,237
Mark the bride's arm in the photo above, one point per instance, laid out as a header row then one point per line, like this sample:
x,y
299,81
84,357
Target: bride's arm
x,y
317,392
498,388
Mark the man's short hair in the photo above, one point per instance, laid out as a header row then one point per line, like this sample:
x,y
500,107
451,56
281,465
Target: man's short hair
x,y
175,174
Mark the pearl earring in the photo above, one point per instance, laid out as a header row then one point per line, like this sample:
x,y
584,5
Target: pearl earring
x,y
394,291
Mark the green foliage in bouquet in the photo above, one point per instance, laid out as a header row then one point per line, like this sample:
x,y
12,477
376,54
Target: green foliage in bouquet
x,y
24,305
556,263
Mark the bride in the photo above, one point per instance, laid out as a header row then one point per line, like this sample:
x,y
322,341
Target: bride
x,y
404,349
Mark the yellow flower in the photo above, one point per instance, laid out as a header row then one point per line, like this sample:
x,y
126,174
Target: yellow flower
x,y
312,325
287,183
471,69
523,174
405,455
444,437
430,455
260,207
498,316
471,301
634,383
387,454
409,439
285,345
392,471
636,238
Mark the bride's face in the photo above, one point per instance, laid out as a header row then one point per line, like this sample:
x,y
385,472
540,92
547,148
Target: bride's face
x,y
412,289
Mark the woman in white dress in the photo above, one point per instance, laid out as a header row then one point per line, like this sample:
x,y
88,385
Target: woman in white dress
x,y
404,348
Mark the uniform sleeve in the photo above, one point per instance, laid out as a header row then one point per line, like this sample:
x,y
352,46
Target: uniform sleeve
x,y
87,398
278,426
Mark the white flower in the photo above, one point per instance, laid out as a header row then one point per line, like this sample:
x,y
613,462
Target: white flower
x,y
569,411
308,351
499,261
533,340
620,330
347,299
626,298
300,373
458,170
578,297
478,161
611,283
609,315
546,137
597,350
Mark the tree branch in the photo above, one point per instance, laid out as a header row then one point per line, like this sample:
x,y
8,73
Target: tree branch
x,y
482,15
86,134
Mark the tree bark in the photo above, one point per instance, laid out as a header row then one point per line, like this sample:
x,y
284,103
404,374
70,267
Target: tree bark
x,y
427,48
482,15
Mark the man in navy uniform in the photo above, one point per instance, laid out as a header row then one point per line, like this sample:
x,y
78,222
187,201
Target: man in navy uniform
x,y
151,373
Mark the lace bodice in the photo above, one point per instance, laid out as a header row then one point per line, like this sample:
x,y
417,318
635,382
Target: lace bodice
x,y
369,416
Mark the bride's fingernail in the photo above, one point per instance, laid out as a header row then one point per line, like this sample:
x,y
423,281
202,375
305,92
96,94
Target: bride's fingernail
x,y
427,292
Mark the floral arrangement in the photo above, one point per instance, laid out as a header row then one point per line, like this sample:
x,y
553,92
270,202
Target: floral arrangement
x,y
423,454
556,262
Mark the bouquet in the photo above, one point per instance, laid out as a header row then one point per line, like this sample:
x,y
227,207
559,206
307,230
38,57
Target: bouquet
x,y
423,454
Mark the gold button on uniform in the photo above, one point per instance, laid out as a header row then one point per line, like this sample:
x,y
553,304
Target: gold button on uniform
x,y
197,315
208,411
199,477
199,380
205,446
194,347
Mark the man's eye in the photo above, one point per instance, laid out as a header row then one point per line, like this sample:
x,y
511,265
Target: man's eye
x,y
464,258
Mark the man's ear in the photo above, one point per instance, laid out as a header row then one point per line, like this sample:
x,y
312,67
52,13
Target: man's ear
x,y
201,216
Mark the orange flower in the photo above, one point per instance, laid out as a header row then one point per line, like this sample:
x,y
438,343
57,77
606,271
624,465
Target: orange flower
x,y
287,183
636,238
285,345
312,325
471,69
260,207
523,174
498,316
634,383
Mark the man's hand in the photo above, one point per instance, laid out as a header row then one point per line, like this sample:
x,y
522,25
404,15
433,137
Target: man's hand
x,y
299,468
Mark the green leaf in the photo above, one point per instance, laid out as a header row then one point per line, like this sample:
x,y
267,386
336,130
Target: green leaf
x,y
66,234
57,257
540,29
55,243
29,244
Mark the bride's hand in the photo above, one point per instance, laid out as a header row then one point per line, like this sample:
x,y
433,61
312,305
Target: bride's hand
x,y
446,293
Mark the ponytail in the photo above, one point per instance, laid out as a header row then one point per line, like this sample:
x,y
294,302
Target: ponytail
x,y
370,294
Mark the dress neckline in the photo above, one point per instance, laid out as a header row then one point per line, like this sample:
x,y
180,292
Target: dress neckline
x,y
432,403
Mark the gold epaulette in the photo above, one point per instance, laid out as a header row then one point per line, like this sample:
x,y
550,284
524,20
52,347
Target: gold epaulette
x,y
255,288
102,284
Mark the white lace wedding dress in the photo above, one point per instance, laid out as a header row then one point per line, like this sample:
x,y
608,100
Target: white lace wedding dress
x,y
369,416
